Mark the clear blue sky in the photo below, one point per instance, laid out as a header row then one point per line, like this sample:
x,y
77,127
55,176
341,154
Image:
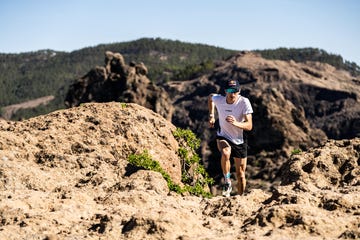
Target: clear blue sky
x,y
67,25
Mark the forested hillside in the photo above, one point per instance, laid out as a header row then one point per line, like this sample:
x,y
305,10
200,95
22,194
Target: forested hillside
x,y
31,75
310,54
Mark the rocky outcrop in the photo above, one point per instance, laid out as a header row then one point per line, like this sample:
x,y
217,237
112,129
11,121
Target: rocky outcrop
x,y
65,175
92,135
117,81
335,164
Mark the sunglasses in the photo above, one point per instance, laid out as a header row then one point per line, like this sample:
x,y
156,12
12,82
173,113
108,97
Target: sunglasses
x,y
231,90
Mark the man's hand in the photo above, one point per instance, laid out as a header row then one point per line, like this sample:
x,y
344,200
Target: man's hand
x,y
211,121
231,119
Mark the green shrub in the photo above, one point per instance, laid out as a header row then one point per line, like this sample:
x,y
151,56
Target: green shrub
x,y
123,105
188,136
194,175
193,172
296,151
145,161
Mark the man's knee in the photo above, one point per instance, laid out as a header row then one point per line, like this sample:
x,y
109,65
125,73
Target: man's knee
x,y
226,152
240,174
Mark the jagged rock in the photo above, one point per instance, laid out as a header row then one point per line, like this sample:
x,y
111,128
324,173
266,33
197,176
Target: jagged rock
x,y
117,81
320,188
335,164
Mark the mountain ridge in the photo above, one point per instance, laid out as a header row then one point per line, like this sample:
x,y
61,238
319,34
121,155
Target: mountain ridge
x,y
46,72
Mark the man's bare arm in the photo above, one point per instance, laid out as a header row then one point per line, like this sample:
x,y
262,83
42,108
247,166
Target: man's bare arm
x,y
246,124
211,106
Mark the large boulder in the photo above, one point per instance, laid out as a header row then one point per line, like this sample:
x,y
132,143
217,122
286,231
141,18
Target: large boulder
x,y
335,164
85,139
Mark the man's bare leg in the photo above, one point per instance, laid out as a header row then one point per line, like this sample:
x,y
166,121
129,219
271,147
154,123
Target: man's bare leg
x,y
225,151
240,165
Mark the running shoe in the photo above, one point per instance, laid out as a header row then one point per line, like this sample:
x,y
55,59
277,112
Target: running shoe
x,y
226,190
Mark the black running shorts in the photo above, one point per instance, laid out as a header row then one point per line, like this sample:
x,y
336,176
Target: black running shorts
x,y
238,151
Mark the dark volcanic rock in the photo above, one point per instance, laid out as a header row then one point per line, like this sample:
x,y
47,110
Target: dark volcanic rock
x,y
117,81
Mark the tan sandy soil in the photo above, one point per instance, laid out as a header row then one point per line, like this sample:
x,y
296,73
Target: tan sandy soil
x,y
65,175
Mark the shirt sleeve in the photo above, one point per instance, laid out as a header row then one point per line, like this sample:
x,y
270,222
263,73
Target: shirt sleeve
x,y
248,107
216,98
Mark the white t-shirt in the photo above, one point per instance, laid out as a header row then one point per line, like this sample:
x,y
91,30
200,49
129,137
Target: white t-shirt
x,y
238,109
